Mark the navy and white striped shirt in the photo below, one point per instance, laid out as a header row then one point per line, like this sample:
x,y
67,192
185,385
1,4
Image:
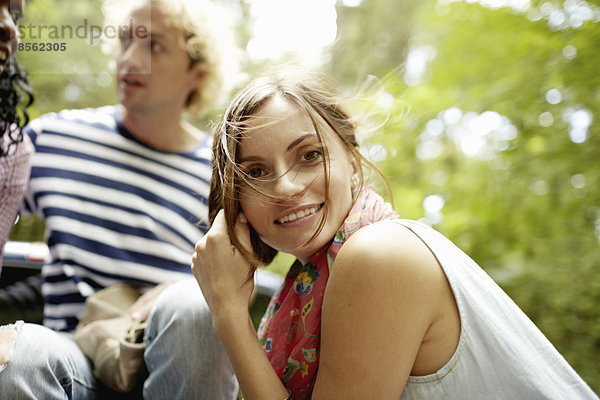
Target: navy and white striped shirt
x,y
115,209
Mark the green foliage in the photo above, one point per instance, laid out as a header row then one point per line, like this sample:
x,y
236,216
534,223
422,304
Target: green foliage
x,y
527,210
371,38
82,74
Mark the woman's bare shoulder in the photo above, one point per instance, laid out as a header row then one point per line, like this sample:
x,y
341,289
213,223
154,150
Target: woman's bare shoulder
x,y
388,258
389,246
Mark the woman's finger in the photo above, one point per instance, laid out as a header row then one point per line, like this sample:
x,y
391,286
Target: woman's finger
x,y
242,232
219,225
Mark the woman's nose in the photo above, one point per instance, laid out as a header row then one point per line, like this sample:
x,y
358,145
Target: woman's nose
x,y
289,184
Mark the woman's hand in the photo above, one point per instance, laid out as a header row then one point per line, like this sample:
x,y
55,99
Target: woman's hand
x,y
222,274
221,271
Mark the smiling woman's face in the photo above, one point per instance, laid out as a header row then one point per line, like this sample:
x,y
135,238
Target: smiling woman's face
x,y
10,13
283,157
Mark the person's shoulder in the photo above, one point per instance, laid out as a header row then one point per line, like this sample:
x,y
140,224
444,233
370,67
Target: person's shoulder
x,y
105,115
101,117
386,269
384,251
387,239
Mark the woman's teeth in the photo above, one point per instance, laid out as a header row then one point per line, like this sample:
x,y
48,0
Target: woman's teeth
x,y
299,214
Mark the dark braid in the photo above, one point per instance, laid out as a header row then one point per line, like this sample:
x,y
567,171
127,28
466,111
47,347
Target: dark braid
x,y
14,90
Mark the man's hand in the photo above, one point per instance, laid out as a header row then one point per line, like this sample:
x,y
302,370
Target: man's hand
x,y
140,310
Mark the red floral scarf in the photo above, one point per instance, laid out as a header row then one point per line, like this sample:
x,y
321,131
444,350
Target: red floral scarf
x,y
291,327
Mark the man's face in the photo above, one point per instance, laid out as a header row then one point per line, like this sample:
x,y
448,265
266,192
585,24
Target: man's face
x,y
153,68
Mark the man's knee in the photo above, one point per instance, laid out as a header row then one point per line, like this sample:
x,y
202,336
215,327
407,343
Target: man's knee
x,y
180,322
8,337
18,352
183,352
181,304
24,345
41,363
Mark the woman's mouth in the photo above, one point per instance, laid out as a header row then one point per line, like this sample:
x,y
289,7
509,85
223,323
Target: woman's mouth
x,y
299,214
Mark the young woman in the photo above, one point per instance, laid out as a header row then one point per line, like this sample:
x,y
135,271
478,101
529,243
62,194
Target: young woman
x,y
376,307
15,148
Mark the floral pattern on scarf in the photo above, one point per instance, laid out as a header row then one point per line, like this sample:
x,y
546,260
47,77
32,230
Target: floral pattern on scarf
x,y
290,330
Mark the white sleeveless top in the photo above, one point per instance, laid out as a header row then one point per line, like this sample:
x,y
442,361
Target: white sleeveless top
x,y
501,354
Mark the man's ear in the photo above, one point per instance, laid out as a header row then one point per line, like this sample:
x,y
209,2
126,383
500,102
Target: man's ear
x,y
196,76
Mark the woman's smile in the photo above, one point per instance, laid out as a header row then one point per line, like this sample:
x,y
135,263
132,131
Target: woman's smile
x,y
299,216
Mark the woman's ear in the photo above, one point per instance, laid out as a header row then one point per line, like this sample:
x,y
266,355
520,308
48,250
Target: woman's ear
x,y
355,182
356,168
356,178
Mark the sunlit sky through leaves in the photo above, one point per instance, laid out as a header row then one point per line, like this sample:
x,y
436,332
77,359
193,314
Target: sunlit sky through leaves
x,y
313,27
313,23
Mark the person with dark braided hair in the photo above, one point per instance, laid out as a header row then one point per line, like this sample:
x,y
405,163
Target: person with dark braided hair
x,y
15,97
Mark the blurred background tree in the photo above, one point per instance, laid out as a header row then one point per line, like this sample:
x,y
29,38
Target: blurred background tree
x,y
491,132
497,148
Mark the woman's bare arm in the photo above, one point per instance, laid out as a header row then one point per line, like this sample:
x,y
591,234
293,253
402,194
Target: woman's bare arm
x,y
382,297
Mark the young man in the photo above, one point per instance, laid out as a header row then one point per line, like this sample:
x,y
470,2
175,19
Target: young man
x,y
118,188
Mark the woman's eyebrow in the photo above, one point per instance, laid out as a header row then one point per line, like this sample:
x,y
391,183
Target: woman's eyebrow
x,y
300,140
251,158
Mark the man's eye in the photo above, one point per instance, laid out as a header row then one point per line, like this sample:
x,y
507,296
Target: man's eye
x,y
155,47
124,40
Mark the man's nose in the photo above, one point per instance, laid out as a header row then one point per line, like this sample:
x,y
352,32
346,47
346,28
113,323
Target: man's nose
x,y
134,59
